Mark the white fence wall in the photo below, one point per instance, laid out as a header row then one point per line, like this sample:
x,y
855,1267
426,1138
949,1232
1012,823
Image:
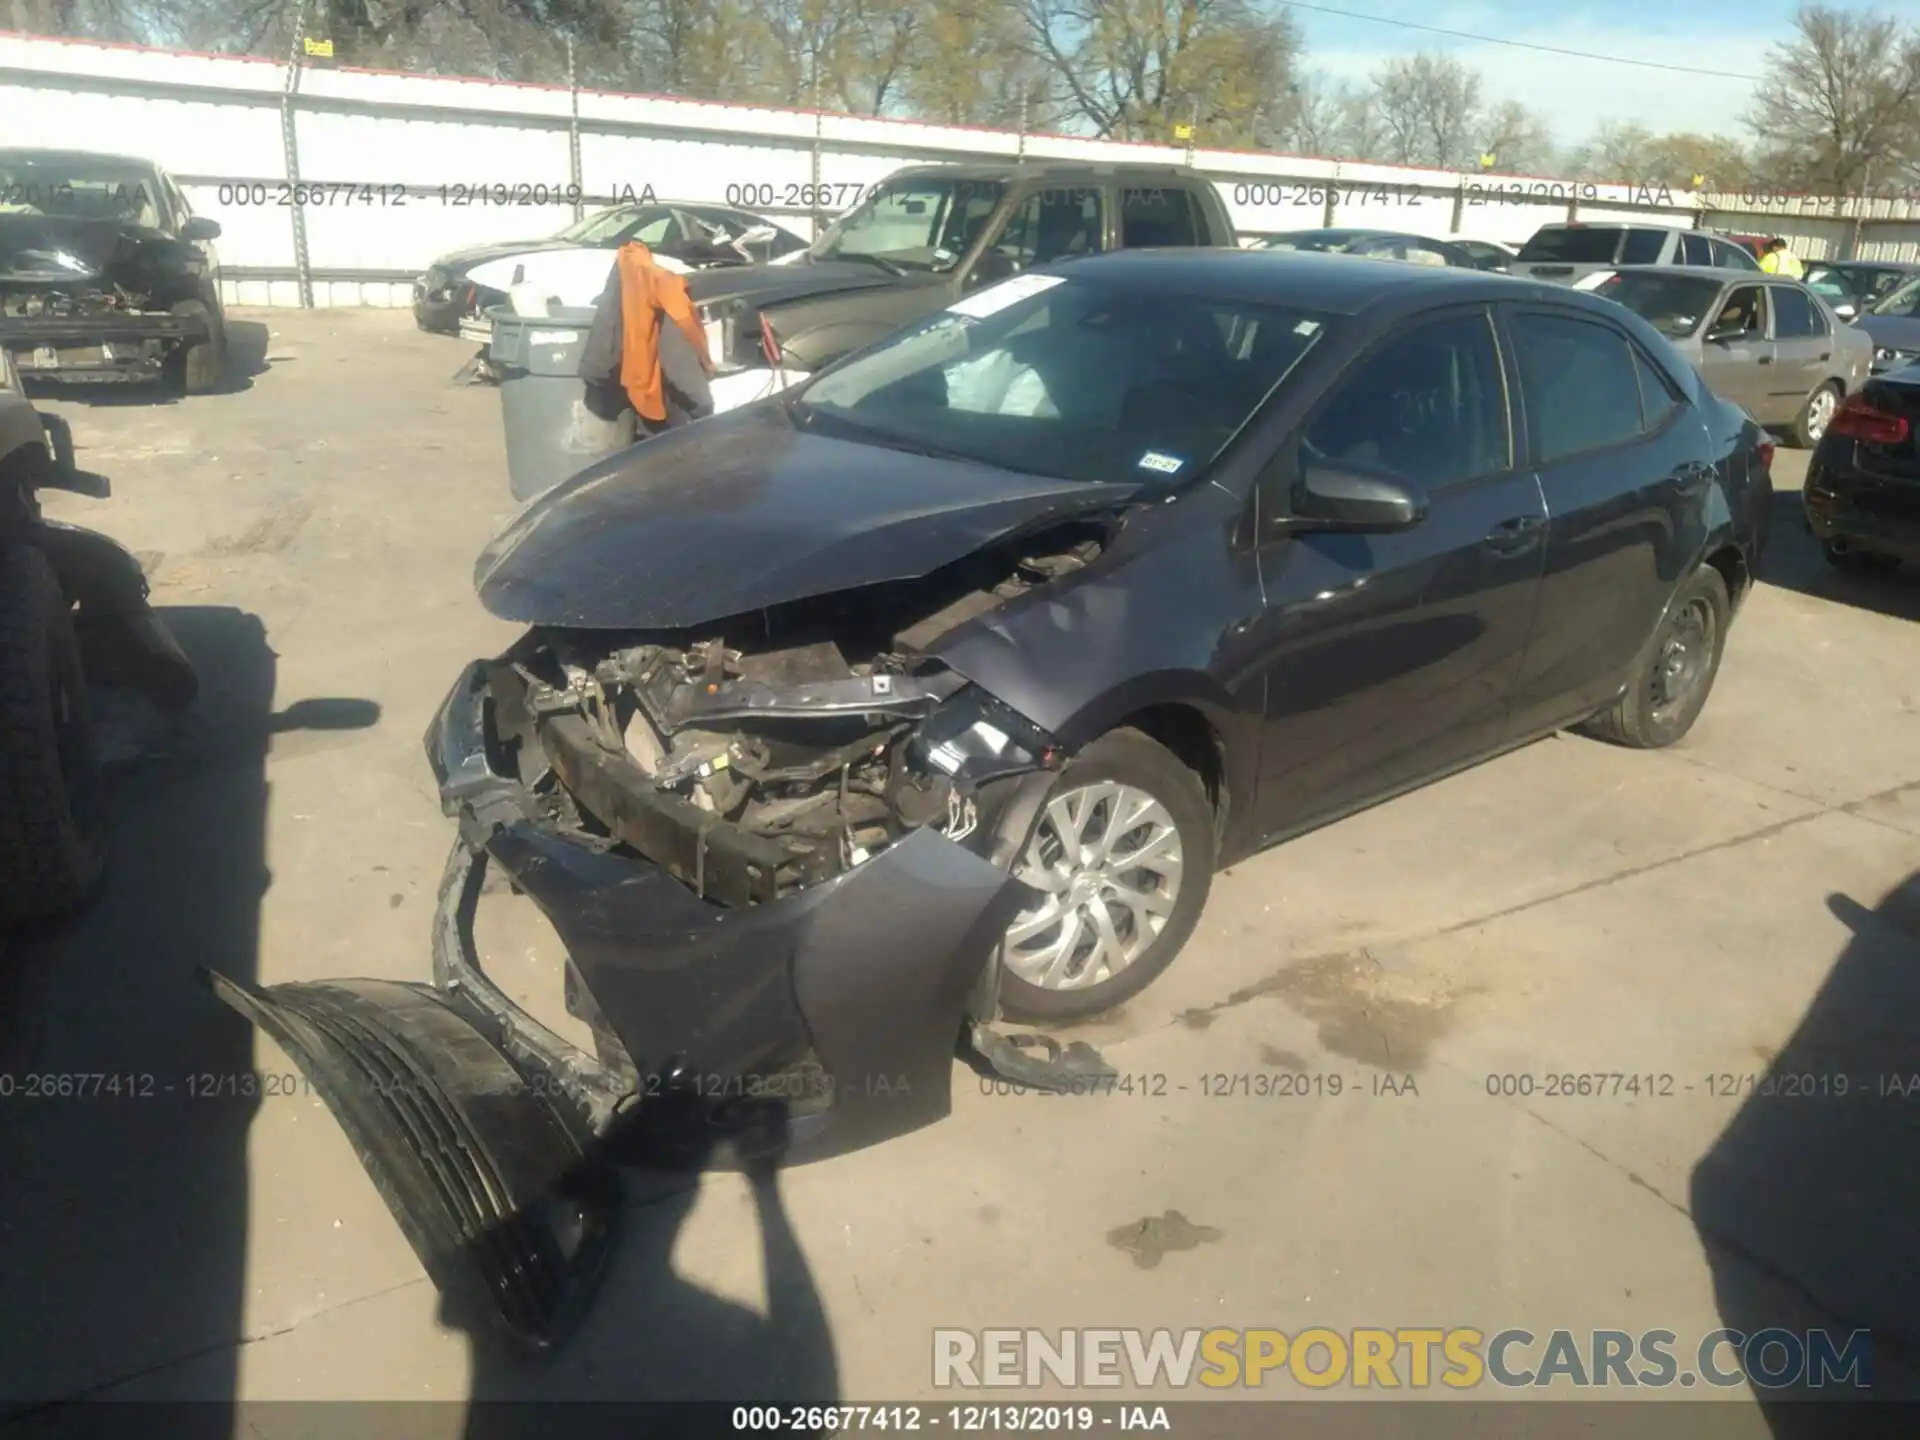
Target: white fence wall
x,y
234,131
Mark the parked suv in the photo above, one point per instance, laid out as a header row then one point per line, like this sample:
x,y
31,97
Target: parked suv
x,y
927,237
1564,254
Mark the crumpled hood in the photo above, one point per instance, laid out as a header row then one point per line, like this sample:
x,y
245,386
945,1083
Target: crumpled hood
x,y
51,250
762,285
746,511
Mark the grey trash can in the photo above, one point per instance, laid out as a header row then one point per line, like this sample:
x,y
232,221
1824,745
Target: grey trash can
x,y
550,432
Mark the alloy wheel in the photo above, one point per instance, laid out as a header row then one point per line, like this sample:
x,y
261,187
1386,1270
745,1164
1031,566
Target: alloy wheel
x,y
1108,857
1820,412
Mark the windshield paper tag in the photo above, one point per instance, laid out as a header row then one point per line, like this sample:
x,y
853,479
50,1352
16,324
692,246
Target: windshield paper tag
x,y
995,298
1165,464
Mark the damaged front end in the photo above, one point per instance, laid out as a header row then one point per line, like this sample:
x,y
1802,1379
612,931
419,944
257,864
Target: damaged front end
x,y
777,851
87,299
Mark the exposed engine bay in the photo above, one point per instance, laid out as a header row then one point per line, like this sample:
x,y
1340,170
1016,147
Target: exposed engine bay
x,y
759,755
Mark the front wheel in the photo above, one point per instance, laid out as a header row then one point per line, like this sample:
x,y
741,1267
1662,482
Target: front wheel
x,y
1675,673
1124,855
52,819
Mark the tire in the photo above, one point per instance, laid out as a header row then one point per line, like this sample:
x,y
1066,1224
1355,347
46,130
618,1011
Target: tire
x,y
1815,416
198,369
1645,719
1858,562
1149,772
52,813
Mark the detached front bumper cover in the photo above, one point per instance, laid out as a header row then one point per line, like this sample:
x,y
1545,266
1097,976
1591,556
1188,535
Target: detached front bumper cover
x,y
809,1025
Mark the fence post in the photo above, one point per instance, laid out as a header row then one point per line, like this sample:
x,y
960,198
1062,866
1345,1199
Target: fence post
x,y
1021,152
290,150
573,136
813,188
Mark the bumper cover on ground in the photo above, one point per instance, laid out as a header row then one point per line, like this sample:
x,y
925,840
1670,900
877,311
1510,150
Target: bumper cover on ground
x,y
807,1026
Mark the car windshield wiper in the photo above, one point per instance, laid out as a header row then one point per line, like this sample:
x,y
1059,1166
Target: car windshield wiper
x,y
892,267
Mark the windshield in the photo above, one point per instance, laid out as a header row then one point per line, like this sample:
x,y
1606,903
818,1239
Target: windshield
x,y
1070,378
79,187
920,223
1824,280
1904,301
606,224
1673,304
1584,246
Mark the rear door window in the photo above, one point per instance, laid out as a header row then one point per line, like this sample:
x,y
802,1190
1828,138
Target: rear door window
x,y
1644,247
1744,313
1793,316
1153,217
1694,250
1580,383
1575,245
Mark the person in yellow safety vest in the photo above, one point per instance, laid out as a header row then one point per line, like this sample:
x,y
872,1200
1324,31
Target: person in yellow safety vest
x,y
1779,260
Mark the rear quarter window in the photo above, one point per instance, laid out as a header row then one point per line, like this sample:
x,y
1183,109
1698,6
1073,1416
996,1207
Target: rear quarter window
x,y
1584,245
1644,247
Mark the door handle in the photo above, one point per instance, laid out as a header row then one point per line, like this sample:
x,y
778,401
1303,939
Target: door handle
x,y
1515,534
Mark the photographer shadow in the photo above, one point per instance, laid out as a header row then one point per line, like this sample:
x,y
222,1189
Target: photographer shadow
x,y
1805,1203
650,1335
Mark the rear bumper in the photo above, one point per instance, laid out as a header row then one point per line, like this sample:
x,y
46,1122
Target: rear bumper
x,y
802,1027
1836,512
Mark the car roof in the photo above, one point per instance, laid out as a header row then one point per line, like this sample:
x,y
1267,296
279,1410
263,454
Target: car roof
x,y
1352,232
41,152
1622,225
1726,274
1313,280
1910,265
1083,171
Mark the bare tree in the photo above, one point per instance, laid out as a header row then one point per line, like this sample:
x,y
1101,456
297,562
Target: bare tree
x,y
1518,140
1428,105
1839,107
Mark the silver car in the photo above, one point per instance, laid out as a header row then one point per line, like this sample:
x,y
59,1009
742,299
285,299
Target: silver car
x,y
1761,341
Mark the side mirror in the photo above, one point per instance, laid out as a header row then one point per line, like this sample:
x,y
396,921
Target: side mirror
x,y
1353,499
991,268
199,227
1847,311
756,235
1724,334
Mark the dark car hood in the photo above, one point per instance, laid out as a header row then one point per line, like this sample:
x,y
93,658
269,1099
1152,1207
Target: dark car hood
x,y
746,511
55,249
763,285
1898,332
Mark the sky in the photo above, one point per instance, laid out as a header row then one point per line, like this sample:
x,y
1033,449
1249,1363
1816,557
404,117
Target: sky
x,y
1730,39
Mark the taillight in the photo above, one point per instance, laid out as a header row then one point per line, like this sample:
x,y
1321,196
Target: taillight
x,y
1765,451
1858,420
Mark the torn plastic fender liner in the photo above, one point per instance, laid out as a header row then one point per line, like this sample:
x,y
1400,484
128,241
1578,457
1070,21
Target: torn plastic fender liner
x,y
500,1196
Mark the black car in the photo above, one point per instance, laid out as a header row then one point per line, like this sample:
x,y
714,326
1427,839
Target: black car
x,y
940,686
443,297
1377,245
106,272
1862,491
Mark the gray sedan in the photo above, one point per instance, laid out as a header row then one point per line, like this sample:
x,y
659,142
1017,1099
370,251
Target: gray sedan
x,y
1761,341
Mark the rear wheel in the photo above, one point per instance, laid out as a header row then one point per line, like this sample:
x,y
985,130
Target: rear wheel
x,y
1815,416
1124,855
1675,672
52,817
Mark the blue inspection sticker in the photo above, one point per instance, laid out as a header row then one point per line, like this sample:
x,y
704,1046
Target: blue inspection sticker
x,y
1164,464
